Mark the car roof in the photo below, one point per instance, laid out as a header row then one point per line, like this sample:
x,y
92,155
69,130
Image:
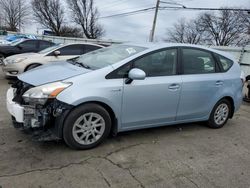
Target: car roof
x,y
155,46
73,43
26,39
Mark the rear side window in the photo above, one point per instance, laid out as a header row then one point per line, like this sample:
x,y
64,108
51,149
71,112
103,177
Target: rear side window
x,y
197,61
226,63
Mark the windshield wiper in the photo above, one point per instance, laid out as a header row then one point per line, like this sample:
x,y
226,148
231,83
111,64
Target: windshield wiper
x,y
83,65
73,62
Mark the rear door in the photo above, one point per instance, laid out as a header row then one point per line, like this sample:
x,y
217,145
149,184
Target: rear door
x,y
202,84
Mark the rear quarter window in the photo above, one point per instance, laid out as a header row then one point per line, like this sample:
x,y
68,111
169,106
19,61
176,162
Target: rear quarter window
x,y
226,63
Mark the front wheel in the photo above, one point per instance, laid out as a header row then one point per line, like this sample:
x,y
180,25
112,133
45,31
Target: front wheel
x,y
86,126
32,67
220,114
1,58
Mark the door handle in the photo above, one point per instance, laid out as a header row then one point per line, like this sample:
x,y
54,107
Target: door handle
x,y
219,83
174,87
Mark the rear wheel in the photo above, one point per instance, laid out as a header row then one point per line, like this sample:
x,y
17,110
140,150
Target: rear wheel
x,y
86,126
220,114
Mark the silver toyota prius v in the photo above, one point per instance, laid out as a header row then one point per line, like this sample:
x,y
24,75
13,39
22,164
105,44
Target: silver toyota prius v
x,y
125,87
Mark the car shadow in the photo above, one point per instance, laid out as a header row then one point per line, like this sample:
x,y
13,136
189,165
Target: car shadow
x,y
135,135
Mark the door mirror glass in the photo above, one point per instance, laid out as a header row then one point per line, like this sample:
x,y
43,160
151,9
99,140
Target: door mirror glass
x,y
57,53
136,74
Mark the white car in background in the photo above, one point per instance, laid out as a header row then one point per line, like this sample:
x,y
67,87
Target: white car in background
x,y
17,64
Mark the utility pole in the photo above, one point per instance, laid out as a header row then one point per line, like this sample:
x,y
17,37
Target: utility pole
x,y
152,33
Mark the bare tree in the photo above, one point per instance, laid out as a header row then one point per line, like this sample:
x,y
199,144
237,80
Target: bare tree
x,y
1,20
225,28
70,31
185,32
86,15
15,13
222,28
50,14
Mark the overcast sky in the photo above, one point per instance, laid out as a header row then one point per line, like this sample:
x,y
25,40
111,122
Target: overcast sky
x,y
137,27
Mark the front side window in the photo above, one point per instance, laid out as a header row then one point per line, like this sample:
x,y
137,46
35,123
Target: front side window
x,y
72,50
161,63
49,49
197,61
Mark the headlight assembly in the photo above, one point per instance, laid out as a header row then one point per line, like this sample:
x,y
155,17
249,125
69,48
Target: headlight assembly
x,y
17,60
40,94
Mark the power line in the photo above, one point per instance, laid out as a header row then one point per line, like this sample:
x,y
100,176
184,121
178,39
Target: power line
x,y
139,11
128,9
172,3
196,8
129,13
113,4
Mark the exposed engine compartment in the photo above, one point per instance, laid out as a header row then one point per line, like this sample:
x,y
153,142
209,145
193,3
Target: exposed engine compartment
x,y
38,119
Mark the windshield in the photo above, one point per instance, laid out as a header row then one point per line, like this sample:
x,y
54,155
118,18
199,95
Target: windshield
x,y
49,49
108,56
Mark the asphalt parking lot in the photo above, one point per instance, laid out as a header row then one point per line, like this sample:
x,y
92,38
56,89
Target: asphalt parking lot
x,y
189,155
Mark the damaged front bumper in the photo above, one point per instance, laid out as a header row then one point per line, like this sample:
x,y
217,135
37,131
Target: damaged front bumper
x,y
44,122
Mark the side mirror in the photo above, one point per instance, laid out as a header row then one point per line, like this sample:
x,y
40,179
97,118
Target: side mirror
x,y
57,53
136,74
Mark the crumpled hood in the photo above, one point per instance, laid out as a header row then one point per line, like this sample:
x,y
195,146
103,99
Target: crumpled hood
x,y
51,73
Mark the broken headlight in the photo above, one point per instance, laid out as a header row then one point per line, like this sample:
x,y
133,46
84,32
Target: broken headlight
x,y
40,94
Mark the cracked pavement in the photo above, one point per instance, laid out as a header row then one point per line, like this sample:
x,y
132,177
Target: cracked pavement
x,y
189,155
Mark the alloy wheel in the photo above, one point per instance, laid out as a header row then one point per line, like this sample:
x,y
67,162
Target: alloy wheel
x,y
221,114
88,128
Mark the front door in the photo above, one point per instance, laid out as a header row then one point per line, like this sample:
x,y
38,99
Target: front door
x,y
153,101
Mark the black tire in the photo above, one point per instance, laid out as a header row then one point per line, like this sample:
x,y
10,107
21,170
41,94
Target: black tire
x,y
32,67
248,78
212,122
73,117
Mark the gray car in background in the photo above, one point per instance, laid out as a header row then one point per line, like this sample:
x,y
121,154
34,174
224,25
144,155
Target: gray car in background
x,y
126,87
